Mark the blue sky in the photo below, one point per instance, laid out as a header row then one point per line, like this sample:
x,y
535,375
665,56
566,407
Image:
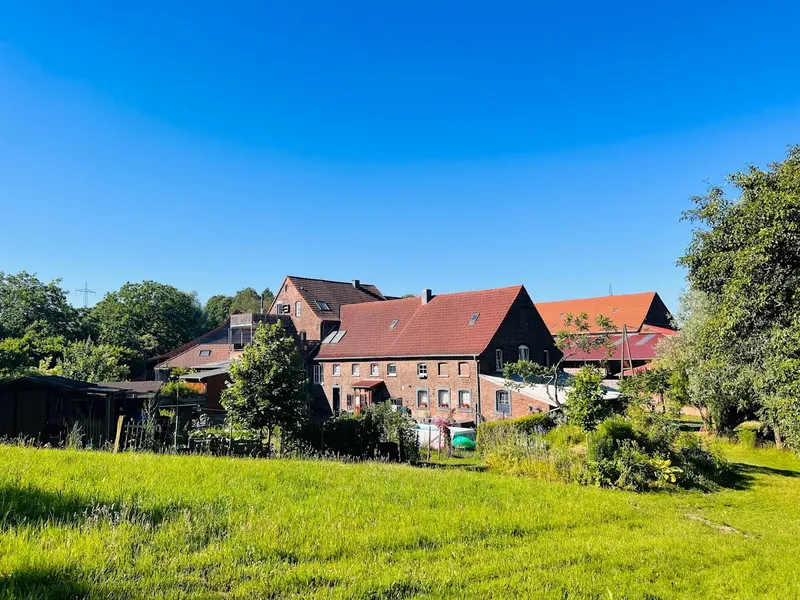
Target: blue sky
x,y
452,145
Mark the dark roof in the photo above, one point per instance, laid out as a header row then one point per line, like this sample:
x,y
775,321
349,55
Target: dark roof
x,y
63,383
218,335
334,293
204,374
439,328
142,388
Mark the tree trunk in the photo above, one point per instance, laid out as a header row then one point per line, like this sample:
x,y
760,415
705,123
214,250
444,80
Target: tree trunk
x,y
778,438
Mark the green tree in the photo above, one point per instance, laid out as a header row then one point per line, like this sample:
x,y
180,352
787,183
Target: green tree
x,y
586,399
15,359
24,300
268,384
217,309
148,317
745,258
85,360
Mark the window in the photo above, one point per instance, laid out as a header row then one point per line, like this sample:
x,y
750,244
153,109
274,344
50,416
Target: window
x,y
355,370
463,369
391,370
422,398
473,319
442,369
302,335
547,358
465,399
422,370
323,306
524,353
349,401
443,398
374,369
286,288
337,370
502,402
319,374
498,360
279,308
297,309
205,352
394,324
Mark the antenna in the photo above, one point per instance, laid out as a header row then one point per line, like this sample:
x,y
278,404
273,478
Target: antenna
x,y
610,290
86,291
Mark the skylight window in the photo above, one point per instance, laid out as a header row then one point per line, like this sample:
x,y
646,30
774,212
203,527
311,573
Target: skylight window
x,y
323,306
205,352
334,337
646,339
615,310
474,318
394,324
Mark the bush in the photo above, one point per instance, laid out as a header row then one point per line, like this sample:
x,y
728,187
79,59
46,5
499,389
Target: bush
x,y
747,438
565,436
587,404
500,433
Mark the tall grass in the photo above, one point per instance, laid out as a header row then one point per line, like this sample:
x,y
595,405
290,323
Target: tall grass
x,y
90,524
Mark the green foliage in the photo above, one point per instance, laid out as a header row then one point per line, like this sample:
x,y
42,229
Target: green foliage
x,y
87,361
24,299
148,317
747,437
268,383
176,390
496,433
744,258
217,309
587,404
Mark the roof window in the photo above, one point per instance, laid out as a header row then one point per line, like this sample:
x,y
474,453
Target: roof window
x,y
474,318
205,352
394,324
323,306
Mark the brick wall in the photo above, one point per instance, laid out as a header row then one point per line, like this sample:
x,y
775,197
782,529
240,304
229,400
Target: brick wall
x,y
307,322
521,405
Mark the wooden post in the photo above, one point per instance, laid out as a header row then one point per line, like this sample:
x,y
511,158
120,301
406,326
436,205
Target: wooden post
x,y
120,420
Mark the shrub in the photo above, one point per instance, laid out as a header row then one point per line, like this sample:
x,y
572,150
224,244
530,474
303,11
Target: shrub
x,y
565,436
702,468
587,404
747,437
495,433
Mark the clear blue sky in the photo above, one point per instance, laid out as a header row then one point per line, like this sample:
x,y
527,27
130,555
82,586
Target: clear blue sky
x,y
451,145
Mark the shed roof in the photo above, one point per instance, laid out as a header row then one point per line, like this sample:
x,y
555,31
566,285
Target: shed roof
x,y
439,328
63,383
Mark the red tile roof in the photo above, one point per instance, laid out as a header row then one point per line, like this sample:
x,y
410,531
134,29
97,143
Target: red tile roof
x,y
642,347
191,356
334,293
624,309
438,328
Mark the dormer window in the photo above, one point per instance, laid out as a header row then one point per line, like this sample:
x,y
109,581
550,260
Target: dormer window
x,y
323,306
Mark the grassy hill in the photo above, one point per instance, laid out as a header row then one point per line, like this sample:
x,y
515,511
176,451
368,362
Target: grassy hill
x,y
77,524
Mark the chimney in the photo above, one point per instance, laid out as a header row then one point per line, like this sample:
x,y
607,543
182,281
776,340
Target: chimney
x,y
357,284
427,296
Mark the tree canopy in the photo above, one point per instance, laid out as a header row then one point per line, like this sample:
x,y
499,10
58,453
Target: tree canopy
x,y
85,360
25,300
149,317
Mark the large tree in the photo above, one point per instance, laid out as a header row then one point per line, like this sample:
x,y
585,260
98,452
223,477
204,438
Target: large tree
x,y
25,300
85,360
148,317
745,257
268,384
217,309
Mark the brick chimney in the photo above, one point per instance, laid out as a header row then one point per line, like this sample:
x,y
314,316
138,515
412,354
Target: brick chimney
x,y
357,284
427,295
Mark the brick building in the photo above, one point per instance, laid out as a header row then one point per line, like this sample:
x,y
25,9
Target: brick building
x,y
435,355
314,305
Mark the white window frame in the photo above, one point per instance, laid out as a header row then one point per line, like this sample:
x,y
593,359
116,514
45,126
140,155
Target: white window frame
x,y
468,405
524,352
498,359
374,370
298,308
391,370
422,370
427,398
279,308
355,370
337,370
319,374
497,395
449,398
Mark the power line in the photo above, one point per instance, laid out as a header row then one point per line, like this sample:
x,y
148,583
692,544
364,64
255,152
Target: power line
x,y
86,291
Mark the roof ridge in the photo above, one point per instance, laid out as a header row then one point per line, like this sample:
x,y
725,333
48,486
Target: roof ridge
x,y
327,280
598,297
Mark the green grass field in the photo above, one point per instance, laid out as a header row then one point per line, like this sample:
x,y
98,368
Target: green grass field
x,y
91,524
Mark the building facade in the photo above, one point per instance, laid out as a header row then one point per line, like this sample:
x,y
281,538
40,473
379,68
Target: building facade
x,y
429,354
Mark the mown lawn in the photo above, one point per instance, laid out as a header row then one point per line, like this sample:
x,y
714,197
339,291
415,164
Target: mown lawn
x,y
75,524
